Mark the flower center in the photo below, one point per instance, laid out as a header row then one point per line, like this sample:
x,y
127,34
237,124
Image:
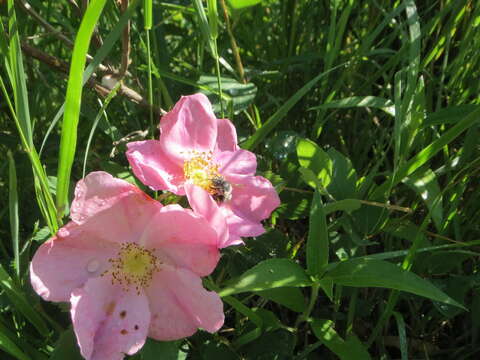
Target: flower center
x,y
201,169
134,265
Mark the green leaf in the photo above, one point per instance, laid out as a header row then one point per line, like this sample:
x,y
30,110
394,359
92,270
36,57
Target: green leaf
x,y
449,115
269,274
344,177
21,303
359,101
350,349
425,184
240,95
275,119
347,205
166,350
9,346
312,157
427,153
240,4
66,347
68,142
290,297
13,210
378,273
317,242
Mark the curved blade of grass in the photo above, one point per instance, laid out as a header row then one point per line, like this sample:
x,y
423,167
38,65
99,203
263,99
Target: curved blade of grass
x,y
101,112
9,346
359,101
97,59
428,152
273,121
68,140
44,197
13,209
21,303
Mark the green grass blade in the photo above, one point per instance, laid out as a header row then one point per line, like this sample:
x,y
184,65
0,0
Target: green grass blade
x,y
21,303
9,346
428,152
275,119
19,82
317,243
101,112
102,53
68,140
13,209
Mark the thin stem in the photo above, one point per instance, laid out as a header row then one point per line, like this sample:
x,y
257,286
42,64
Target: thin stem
x,y
150,86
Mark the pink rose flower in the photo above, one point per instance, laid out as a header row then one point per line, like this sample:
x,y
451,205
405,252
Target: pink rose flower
x,y
130,267
197,155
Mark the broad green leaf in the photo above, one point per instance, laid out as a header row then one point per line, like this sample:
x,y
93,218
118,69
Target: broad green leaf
x,y
378,273
66,347
317,242
290,297
240,4
269,274
344,177
425,184
360,101
449,115
166,350
347,205
241,95
68,142
312,157
350,349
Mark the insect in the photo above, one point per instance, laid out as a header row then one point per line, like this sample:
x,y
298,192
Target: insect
x,y
220,189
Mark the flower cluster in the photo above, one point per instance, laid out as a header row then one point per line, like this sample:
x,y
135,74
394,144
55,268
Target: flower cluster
x,y
131,267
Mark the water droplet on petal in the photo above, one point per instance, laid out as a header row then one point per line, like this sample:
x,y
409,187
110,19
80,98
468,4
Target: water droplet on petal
x,y
93,265
62,232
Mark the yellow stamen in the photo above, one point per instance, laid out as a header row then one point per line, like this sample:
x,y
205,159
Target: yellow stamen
x,y
134,265
201,169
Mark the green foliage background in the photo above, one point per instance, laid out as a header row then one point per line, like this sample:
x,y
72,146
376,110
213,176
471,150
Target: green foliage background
x,y
363,114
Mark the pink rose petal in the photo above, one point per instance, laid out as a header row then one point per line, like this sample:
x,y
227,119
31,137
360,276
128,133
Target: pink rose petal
x,y
179,305
226,136
190,125
254,197
203,204
67,261
240,162
153,167
182,238
108,321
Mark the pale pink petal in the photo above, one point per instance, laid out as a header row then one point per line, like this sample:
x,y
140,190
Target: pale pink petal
x,y
190,125
226,136
203,204
182,238
109,321
240,162
180,305
153,167
99,190
239,227
253,197
67,261
125,221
